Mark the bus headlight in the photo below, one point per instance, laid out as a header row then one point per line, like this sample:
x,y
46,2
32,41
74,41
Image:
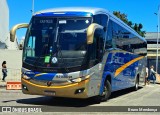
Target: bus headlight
x,y
26,77
76,80
80,79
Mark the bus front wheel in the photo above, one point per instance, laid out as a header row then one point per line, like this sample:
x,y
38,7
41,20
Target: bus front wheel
x,y
106,92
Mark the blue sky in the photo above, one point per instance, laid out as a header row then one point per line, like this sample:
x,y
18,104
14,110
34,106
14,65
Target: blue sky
x,y
138,11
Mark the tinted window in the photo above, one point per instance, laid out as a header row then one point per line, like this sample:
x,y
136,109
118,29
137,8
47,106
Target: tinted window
x,y
104,20
97,19
123,39
109,36
100,19
116,35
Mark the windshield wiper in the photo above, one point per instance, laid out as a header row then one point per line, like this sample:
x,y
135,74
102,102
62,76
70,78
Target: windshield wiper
x,y
61,56
59,49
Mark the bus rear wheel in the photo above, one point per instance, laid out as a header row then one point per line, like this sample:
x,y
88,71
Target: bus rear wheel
x,y
136,86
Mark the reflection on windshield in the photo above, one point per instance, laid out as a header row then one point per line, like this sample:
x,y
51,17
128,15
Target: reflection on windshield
x,y
45,34
72,34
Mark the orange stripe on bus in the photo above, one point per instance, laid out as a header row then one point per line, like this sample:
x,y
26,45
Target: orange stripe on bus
x,y
40,74
119,70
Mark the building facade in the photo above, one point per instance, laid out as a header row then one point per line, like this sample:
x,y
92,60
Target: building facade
x,y
151,38
4,27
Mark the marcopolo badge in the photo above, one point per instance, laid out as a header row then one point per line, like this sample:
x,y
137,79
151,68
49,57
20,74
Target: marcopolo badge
x,y
54,60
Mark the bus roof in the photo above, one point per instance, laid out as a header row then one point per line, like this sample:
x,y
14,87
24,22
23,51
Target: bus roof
x,y
92,10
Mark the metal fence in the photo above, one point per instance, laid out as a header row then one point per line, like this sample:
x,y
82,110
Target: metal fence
x,y
12,74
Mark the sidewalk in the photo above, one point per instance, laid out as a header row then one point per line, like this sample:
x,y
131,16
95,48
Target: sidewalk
x,y
14,64
12,76
2,83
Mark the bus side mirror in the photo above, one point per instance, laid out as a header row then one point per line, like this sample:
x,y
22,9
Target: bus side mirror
x,y
14,28
90,32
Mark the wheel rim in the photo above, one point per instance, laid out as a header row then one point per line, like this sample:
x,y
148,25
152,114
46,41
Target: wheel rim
x,y
136,85
105,91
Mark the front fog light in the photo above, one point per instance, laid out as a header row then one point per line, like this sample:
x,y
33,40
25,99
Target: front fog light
x,y
26,77
81,90
24,87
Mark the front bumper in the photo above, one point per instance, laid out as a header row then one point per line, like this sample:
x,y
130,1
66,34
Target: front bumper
x,y
60,91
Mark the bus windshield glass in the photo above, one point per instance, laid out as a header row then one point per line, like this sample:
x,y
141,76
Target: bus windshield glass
x,y
56,42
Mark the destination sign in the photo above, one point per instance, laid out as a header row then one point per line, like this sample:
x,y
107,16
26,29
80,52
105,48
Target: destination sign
x,y
46,21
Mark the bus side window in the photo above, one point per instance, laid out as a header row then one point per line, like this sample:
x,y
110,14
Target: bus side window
x,y
115,34
97,19
31,46
108,43
100,44
104,20
127,40
100,19
121,38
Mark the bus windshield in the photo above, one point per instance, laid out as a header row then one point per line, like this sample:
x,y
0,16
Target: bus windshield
x,y
56,42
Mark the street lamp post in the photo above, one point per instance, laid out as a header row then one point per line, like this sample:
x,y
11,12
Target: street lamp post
x,y
157,38
32,7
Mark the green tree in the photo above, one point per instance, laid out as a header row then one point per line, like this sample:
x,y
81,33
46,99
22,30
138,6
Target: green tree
x,y
121,16
130,23
140,26
136,27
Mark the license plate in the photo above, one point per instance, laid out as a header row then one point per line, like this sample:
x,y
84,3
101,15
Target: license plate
x,y
52,93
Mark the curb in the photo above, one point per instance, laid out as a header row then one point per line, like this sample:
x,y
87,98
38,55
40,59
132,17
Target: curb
x,y
3,85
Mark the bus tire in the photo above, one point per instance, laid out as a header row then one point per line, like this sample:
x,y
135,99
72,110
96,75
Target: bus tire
x,y
106,92
136,84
